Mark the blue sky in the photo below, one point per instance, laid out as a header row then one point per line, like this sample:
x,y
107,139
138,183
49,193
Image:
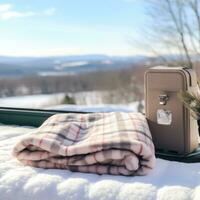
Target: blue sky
x,y
69,27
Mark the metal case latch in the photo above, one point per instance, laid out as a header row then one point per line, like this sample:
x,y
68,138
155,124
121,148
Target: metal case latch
x,y
163,98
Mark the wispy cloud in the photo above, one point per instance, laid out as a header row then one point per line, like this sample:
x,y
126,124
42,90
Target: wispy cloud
x,y
14,14
7,12
5,7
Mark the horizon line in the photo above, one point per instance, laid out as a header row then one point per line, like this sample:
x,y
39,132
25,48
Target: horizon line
x,y
86,54
66,55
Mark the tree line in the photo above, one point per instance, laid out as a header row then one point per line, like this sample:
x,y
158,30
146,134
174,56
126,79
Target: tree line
x,y
123,85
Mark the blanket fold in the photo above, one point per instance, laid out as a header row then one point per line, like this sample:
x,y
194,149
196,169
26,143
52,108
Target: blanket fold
x,y
114,143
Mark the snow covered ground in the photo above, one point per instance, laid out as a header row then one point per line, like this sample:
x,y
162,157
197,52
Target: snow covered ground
x,y
132,107
87,102
32,101
168,181
89,98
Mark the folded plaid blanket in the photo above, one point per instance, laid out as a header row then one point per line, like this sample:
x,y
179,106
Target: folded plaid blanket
x,y
103,143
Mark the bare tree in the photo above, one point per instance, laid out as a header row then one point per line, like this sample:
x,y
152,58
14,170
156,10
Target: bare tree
x,y
174,26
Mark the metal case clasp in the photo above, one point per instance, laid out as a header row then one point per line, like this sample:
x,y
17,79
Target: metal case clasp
x,y
163,98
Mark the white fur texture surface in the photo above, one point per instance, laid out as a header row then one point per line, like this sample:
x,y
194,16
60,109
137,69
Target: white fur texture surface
x,y
168,181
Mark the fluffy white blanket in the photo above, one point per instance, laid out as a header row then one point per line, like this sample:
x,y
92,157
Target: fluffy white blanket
x,y
169,180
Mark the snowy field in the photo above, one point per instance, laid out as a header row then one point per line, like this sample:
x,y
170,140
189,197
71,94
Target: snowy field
x,y
49,100
32,101
86,101
82,99
132,107
168,181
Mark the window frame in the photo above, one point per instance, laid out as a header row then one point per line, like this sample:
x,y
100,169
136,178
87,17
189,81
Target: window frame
x,y
27,117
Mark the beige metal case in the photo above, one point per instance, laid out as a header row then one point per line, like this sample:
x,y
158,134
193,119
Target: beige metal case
x,y
173,129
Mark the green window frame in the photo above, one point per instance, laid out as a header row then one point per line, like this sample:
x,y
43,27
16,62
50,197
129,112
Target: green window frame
x,y
27,117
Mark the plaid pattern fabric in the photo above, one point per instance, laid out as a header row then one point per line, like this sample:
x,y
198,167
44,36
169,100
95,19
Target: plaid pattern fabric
x,y
114,143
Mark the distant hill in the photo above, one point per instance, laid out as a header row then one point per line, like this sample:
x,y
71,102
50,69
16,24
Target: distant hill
x,y
55,65
92,57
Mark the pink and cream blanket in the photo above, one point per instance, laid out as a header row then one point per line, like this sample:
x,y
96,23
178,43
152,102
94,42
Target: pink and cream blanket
x,y
114,143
